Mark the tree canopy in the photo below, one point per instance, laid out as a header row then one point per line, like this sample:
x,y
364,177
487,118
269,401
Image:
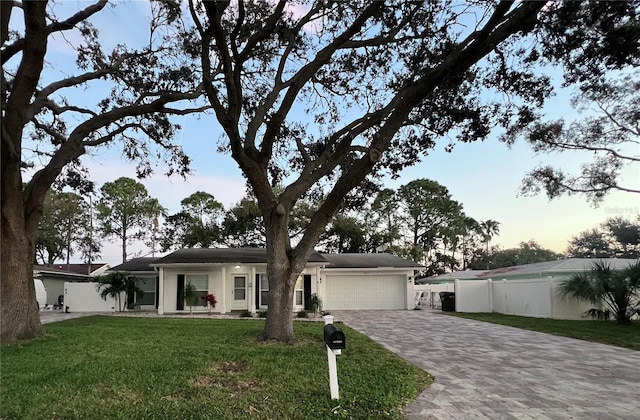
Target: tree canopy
x,y
328,95
197,224
616,237
526,253
126,211
44,133
65,228
319,98
598,45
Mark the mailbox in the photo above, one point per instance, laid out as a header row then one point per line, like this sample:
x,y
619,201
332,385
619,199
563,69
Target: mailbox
x,y
334,337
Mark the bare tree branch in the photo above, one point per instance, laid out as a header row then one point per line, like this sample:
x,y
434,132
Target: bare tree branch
x,y
49,130
613,152
12,49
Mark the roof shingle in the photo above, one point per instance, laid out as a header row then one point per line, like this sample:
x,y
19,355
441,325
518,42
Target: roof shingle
x,y
378,260
222,256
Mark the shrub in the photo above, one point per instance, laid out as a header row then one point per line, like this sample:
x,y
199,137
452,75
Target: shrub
x,y
315,304
246,314
303,314
190,296
615,290
211,301
262,314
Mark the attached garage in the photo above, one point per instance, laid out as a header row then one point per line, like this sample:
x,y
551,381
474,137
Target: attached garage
x,y
367,281
365,292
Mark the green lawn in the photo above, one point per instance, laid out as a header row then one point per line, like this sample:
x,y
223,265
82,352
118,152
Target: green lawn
x,y
607,332
134,368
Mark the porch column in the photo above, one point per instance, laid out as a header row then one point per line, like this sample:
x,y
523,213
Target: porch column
x,y
410,291
251,290
223,299
160,292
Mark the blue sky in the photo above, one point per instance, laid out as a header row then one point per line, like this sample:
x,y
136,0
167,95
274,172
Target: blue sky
x,y
483,176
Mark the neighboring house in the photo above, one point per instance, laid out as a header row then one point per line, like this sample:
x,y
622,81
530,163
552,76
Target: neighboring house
x,y
93,270
529,290
54,278
238,279
557,269
450,277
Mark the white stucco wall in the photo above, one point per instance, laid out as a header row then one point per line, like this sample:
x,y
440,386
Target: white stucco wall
x,y
221,284
84,297
169,296
55,288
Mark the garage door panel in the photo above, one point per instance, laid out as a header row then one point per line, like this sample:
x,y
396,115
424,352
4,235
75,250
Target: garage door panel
x,y
365,292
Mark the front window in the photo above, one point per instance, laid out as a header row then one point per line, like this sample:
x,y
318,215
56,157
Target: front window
x,y
201,282
264,290
299,292
148,285
239,288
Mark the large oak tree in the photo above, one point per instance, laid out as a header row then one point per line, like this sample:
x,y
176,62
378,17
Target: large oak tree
x,y
323,95
45,132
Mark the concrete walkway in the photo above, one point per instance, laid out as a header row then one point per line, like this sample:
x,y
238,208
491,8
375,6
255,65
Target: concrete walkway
x,y
487,371
47,317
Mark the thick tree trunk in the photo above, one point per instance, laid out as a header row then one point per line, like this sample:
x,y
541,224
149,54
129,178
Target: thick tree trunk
x,y
283,269
20,318
19,220
279,324
124,249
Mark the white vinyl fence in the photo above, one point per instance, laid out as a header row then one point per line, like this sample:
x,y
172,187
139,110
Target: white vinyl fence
x,y
85,297
539,297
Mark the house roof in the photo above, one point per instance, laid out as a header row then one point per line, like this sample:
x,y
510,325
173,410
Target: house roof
x,y
222,256
136,264
378,260
80,268
460,275
40,270
569,265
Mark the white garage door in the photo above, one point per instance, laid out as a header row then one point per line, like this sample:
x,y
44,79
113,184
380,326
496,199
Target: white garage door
x,y
365,292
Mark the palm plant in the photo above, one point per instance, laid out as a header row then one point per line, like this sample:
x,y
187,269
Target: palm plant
x,y
489,228
190,296
616,290
315,304
115,284
134,293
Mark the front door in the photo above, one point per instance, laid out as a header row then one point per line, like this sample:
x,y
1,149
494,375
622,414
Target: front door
x,y
238,292
307,292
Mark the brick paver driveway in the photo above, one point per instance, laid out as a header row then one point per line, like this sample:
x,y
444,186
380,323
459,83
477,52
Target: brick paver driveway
x,y
487,371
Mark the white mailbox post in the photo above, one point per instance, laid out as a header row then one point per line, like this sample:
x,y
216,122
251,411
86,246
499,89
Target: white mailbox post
x,y
335,341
